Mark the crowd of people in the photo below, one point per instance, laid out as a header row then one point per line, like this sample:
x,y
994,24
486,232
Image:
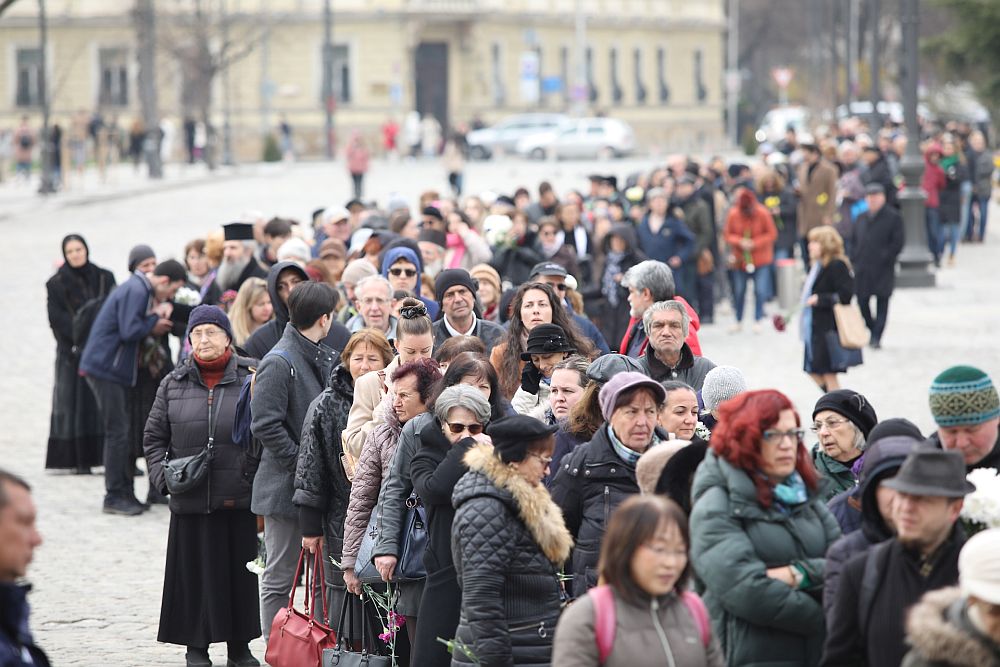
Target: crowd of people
x,y
522,380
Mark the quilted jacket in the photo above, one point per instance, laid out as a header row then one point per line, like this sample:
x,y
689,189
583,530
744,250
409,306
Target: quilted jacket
x,y
508,543
373,467
369,391
397,487
178,426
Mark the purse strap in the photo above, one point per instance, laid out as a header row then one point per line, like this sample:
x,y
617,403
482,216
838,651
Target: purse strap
x,y
213,396
295,581
317,570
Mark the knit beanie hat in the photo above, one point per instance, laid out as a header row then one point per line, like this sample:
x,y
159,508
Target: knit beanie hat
x,y
979,567
452,277
486,273
205,314
963,395
851,405
720,384
622,382
138,254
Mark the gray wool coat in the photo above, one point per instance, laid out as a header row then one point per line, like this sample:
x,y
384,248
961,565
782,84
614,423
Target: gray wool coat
x,y
281,398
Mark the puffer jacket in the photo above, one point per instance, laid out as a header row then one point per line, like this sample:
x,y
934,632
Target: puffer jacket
x,y
508,543
759,621
369,390
941,634
591,483
838,476
178,426
373,467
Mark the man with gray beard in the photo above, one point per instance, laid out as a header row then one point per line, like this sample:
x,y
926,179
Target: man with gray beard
x,y
238,262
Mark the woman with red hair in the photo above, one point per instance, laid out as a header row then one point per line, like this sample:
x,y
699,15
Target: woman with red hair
x,y
750,233
759,534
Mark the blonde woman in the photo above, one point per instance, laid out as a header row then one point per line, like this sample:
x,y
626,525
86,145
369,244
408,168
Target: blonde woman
x,y
251,309
830,281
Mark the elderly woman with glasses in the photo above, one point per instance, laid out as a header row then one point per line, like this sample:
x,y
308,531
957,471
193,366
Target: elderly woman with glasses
x,y
760,530
461,413
842,421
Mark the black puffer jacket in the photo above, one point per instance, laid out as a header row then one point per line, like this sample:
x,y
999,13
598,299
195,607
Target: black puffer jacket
x,y
591,483
508,542
178,425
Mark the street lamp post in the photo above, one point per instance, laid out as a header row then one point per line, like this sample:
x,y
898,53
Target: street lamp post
x,y
48,185
328,77
914,261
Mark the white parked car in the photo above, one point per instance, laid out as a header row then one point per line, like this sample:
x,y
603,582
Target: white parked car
x,y
581,138
503,136
777,120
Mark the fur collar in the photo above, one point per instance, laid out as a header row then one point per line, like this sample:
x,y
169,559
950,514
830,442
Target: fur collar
x,y
941,635
535,506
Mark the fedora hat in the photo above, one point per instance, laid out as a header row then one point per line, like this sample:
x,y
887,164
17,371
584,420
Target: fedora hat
x,y
928,471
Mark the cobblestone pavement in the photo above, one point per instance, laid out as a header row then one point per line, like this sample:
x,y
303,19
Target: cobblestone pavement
x,y
97,578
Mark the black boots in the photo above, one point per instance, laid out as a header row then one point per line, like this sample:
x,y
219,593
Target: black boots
x,y
197,657
240,656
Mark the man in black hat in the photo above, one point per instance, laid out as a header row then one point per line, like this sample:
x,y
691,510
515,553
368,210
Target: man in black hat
x,y
238,262
866,623
874,244
555,275
456,292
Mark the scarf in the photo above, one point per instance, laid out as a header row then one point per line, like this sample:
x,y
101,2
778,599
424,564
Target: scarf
x,y
791,492
212,371
629,456
457,246
550,249
609,286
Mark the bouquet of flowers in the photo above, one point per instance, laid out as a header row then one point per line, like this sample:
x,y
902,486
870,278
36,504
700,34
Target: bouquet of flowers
x,y
187,297
781,320
982,507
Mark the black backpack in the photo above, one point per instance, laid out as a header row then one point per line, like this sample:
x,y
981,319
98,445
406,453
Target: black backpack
x,y
83,318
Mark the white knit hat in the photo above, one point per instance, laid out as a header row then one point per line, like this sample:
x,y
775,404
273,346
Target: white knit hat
x,y
722,383
979,567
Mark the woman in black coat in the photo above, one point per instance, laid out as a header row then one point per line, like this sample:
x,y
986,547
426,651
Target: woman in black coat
x,y
435,469
508,543
75,439
830,282
208,594
607,301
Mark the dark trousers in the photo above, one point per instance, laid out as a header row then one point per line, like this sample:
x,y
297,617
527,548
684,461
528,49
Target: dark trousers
x,y
876,325
359,180
112,401
706,297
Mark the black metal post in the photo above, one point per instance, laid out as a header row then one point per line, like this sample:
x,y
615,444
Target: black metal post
x,y
328,100
47,185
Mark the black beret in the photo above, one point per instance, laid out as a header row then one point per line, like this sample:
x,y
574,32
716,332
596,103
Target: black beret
x,y
513,435
851,405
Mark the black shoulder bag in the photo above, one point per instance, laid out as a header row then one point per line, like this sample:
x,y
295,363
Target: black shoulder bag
x,y
185,473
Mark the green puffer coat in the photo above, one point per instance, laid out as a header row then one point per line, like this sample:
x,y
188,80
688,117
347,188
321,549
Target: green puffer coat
x,y
839,474
760,621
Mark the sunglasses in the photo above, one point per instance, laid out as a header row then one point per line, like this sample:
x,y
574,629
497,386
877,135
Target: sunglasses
x,y
473,429
409,273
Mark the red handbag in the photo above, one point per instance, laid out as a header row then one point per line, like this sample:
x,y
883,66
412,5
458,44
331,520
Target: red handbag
x,y
297,638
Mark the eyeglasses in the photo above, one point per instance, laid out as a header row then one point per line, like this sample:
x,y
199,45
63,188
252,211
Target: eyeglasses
x,y
208,334
830,424
546,460
774,437
409,273
373,301
560,287
473,429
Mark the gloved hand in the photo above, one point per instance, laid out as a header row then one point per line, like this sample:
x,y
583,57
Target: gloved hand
x,y
531,378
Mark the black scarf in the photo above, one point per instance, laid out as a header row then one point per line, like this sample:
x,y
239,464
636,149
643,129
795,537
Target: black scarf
x,y
83,283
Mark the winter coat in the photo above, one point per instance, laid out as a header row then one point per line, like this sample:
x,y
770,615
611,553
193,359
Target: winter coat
x,y
321,485
398,486
514,262
955,172
283,392
357,157
17,646
533,405
758,227
267,336
734,540
477,251
786,219
566,442
638,642
178,426
817,195
369,390
112,349
673,239
941,634
253,269
508,543
689,368
612,320
591,483
836,475
698,219
834,284
372,468
880,172
67,291
488,332
876,242
982,171
565,257
932,182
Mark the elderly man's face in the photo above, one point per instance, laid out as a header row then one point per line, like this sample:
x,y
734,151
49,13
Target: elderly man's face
x,y
374,302
972,442
666,332
639,301
234,251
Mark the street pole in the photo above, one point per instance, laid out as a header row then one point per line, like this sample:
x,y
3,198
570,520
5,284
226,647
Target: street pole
x,y
914,261
733,73
47,185
227,125
145,16
581,87
876,7
853,17
328,76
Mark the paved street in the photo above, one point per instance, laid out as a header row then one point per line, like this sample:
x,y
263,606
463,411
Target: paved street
x,y
98,578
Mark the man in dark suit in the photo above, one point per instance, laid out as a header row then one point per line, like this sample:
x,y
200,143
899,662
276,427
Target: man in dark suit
x,y
876,242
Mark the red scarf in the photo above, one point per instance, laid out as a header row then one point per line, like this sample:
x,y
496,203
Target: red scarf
x,y
212,371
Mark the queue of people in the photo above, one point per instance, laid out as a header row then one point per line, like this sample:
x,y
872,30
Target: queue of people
x,y
566,449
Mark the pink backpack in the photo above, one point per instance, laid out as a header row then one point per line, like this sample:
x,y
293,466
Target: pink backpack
x,y
605,619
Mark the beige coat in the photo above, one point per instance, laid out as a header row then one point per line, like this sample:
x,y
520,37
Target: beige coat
x,y
817,196
369,389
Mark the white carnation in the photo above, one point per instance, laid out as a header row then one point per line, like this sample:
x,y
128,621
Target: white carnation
x,y
983,505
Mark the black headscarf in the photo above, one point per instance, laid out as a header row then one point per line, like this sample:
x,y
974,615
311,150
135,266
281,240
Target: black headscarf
x,y
82,283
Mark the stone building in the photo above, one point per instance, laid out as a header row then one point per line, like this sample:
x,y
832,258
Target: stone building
x,y
656,64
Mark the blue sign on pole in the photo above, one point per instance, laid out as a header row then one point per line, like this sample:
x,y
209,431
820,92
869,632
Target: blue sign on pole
x,y
552,84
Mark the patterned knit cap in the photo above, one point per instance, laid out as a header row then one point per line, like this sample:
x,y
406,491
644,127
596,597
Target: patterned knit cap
x,y
963,395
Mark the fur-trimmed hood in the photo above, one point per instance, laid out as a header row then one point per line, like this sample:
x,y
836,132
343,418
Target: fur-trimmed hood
x,y
488,476
940,632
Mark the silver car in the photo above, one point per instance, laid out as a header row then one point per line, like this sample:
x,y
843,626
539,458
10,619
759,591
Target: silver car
x,y
503,136
584,138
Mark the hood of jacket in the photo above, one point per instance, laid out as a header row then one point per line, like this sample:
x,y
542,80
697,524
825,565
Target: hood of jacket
x,y
488,476
940,631
884,458
279,306
625,232
393,255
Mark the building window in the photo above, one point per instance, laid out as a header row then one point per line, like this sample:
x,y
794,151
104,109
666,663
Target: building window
x,y
499,92
700,91
661,75
113,64
340,80
30,78
616,90
593,93
640,87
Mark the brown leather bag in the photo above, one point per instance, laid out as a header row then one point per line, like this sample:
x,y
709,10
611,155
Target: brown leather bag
x,y
706,262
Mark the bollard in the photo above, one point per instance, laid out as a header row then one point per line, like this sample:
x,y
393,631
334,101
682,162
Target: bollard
x,y
788,283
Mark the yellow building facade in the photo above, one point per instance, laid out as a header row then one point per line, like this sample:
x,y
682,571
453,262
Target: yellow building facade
x,y
656,64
